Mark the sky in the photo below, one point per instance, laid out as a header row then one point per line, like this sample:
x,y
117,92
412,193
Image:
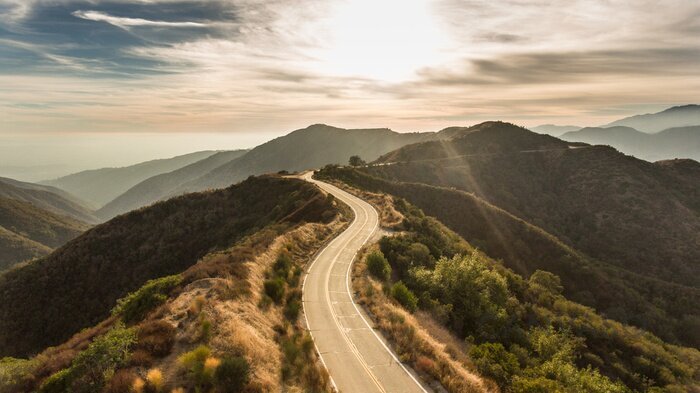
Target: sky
x,y
100,83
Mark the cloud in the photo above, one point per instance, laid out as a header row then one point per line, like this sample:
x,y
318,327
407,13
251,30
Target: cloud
x,y
98,16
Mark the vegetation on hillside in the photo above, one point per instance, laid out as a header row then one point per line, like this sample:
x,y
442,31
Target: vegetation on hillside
x,y
27,231
524,334
47,301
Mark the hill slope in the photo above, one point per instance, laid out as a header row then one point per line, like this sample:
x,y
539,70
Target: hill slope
x,y
311,147
682,142
100,186
47,301
164,185
525,248
677,116
30,232
554,130
47,198
611,206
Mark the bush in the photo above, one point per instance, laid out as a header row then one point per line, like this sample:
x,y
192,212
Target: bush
x,y
274,288
93,366
378,266
494,361
283,264
156,338
59,382
232,374
134,306
15,373
404,296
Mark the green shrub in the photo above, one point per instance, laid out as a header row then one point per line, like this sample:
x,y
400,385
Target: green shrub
x,y
232,374
194,364
495,362
378,266
58,382
96,364
404,296
134,306
274,288
14,373
283,264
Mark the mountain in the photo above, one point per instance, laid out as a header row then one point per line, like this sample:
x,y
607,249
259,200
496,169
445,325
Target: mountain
x,y
677,116
28,232
554,130
311,147
99,186
163,186
681,142
47,198
47,301
633,216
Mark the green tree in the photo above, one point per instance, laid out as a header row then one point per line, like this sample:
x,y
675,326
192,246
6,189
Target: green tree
x,y
404,296
495,362
378,266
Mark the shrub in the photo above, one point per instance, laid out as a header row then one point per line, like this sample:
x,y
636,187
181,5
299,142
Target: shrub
x,y
404,296
155,380
156,338
200,366
378,266
283,264
134,306
274,288
93,366
59,382
232,374
122,381
15,373
495,362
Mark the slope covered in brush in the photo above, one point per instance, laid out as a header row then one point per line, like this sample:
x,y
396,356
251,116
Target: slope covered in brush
x,y
668,310
47,198
628,212
75,287
28,232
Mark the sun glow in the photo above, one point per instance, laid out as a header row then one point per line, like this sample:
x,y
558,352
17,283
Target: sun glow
x,y
386,40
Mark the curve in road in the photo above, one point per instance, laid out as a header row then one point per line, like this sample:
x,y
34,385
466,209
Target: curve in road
x,y
357,359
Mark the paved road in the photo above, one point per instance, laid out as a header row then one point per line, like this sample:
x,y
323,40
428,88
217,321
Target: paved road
x,y
356,358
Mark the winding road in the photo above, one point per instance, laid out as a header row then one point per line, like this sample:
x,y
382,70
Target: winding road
x,y
356,357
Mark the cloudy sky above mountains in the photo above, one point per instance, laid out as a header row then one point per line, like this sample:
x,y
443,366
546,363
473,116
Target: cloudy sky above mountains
x,y
249,69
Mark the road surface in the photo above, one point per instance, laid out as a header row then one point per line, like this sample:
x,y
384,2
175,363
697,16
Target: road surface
x,y
356,357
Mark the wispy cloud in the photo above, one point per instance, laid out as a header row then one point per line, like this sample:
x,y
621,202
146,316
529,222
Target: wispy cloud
x,y
98,16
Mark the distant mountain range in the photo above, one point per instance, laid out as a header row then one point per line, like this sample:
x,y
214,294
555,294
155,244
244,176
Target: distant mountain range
x,y
307,148
35,219
672,133
677,116
99,186
680,142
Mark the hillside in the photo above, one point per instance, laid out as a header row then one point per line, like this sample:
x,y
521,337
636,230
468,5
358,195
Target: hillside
x,y
452,311
46,302
683,142
677,116
30,232
163,186
613,207
47,198
311,147
99,186
525,248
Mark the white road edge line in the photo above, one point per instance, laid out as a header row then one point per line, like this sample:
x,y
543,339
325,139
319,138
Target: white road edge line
x,y
347,283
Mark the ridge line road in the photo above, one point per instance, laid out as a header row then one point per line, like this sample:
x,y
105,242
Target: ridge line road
x,y
357,359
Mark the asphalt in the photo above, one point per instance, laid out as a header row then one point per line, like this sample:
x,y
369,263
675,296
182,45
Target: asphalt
x,y
357,358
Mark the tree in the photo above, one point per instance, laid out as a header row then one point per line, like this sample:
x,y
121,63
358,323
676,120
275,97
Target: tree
x,y
356,161
378,266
